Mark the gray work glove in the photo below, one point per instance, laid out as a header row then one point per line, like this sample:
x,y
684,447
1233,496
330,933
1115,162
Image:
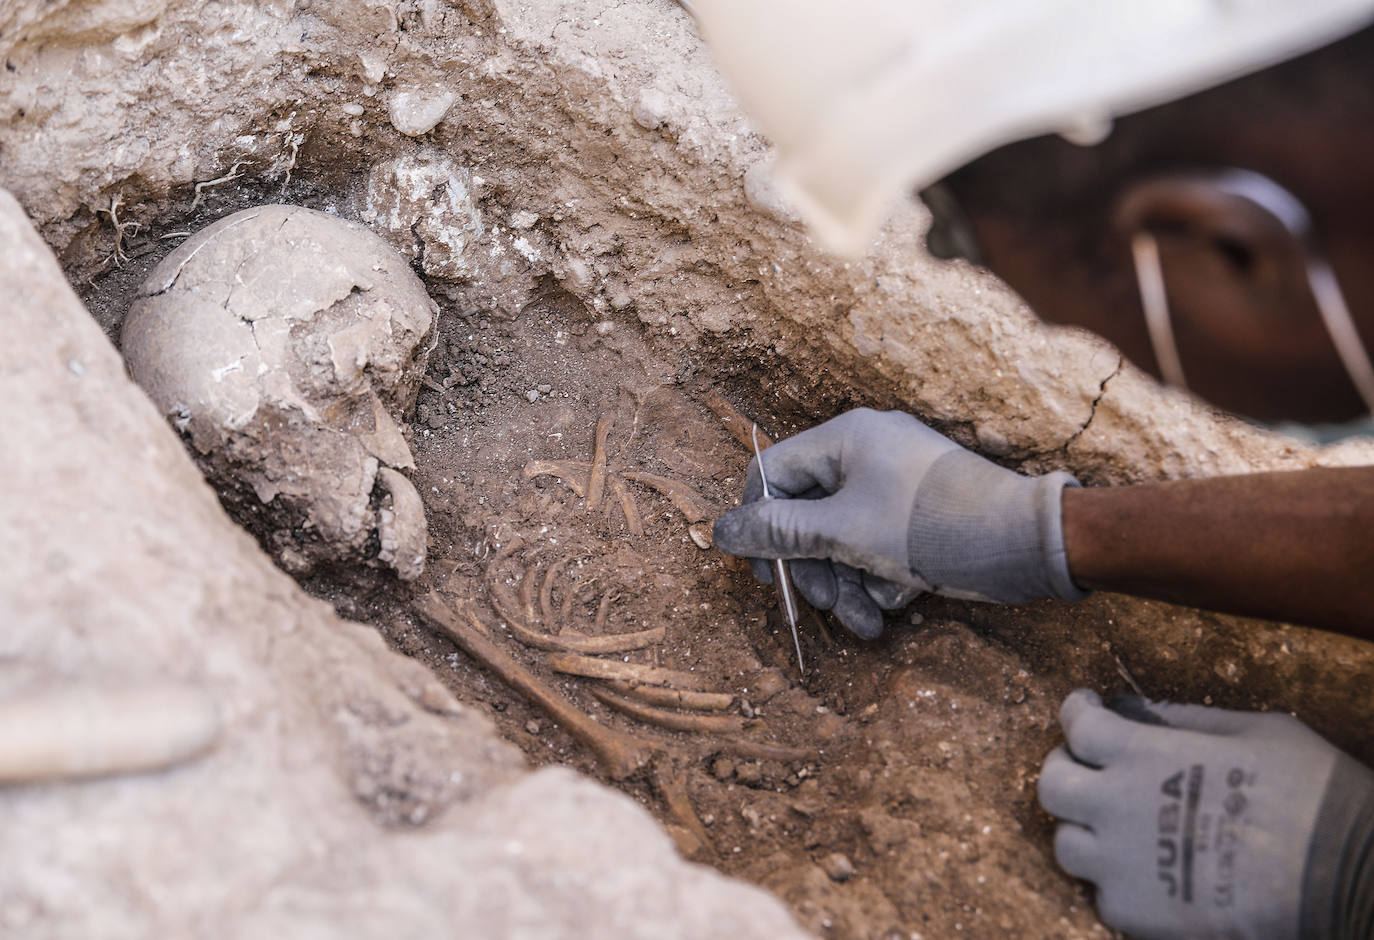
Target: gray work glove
x,y
1197,822
887,508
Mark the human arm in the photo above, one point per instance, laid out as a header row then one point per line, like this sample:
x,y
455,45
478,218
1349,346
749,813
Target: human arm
x,y
1295,546
890,507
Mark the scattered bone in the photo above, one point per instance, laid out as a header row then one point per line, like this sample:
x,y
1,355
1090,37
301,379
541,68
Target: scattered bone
x,y
764,750
672,787
596,481
527,597
568,641
674,721
546,591
629,672
676,698
633,522
735,422
682,496
621,754
99,730
401,526
601,611
573,475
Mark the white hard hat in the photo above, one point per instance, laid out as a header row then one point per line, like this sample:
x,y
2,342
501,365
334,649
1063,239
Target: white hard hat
x,y
865,99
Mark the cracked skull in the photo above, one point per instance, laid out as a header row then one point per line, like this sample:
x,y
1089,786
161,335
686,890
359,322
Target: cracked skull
x,y
288,344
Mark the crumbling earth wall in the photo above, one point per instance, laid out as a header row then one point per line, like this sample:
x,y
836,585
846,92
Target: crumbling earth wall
x,y
562,142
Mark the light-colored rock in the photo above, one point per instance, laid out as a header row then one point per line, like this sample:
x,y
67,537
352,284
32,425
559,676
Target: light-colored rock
x,y
345,797
289,346
422,204
417,111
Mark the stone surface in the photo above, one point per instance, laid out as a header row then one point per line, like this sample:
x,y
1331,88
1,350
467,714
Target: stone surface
x,y
289,345
349,794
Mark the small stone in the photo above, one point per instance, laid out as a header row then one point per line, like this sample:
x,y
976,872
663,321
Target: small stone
x,y
838,867
749,774
767,683
650,108
532,395
418,111
437,421
544,389
522,220
604,327
701,535
722,768
533,727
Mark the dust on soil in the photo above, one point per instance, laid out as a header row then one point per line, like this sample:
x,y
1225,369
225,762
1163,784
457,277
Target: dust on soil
x,y
909,809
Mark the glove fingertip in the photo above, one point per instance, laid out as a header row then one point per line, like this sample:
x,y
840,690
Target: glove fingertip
x,y
762,570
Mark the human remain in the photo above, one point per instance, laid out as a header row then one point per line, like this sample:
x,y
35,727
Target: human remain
x,y
1193,180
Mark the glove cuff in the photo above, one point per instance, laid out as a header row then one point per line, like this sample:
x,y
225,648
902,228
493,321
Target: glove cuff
x,y
979,530
1338,879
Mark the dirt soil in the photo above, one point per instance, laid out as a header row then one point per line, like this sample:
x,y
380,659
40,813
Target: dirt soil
x,y
889,791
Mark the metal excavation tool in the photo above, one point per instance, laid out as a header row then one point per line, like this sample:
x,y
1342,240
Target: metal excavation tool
x,y
782,577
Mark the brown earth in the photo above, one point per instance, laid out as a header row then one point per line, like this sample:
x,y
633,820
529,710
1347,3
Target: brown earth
x,y
904,804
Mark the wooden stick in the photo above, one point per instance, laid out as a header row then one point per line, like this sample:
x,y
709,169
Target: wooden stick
x,y
674,721
620,754
682,496
675,698
615,669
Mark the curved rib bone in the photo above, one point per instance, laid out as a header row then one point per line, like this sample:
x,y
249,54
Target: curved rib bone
x,y
573,665
568,641
674,721
675,698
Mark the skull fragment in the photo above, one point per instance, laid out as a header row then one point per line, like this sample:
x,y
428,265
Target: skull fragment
x,y
288,345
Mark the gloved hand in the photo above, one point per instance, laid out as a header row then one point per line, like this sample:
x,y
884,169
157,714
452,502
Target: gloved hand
x,y
887,508
1198,822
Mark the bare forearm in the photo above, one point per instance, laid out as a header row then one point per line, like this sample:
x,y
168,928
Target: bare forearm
x,y
1293,546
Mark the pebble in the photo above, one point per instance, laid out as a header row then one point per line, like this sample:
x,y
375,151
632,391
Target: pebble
x,y
418,111
533,727
722,768
701,535
532,395
838,867
749,773
544,389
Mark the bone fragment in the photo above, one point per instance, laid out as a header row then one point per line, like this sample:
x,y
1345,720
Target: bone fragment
x,y
602,609
64,733
631,672
633,521
672,787
766,750
573,474
674,721
546,591
619,753
683,498
596,481
734,421
675,698
567,641
401,527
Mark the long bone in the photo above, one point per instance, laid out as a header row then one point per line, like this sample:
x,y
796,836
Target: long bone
x,y
674,721
620,754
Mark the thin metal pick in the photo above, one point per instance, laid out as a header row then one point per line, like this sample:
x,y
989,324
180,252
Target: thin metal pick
x,y
782,576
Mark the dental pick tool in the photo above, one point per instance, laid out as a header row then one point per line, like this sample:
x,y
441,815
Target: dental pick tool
x,y
782,577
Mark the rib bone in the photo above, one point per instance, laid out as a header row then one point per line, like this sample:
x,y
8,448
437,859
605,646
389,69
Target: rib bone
x,y
620,754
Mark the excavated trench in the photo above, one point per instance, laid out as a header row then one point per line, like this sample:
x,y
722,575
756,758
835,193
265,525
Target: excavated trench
x,y
570,462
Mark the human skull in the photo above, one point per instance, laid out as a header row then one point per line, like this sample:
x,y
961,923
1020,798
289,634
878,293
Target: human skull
x,y
288,344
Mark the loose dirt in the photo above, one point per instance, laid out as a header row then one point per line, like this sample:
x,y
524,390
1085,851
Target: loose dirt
x,y
899,797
